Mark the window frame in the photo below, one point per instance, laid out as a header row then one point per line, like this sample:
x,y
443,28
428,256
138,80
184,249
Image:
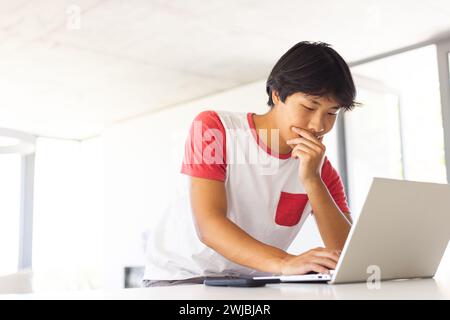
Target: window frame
x,y
443,57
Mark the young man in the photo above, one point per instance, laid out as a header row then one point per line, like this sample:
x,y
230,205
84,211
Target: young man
x,y
254,179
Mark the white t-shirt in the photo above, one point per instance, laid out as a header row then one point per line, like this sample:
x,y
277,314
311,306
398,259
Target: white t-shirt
x,y
264,197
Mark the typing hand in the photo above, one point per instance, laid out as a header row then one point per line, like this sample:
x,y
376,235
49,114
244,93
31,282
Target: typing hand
x,y
320,260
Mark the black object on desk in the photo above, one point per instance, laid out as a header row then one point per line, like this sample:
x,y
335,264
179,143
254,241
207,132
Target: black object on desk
x,y
237,282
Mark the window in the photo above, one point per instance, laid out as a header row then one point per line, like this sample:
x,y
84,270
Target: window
x,y
68,215
398,132
16,190
372,134
10,171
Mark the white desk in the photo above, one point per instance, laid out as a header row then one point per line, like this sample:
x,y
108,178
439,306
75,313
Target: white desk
x,y
438,288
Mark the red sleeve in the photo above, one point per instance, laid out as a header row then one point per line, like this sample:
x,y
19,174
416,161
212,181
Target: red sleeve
x,y
334,185
205,149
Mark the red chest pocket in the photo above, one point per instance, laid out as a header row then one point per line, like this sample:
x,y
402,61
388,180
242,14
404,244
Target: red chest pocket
x,y
290,208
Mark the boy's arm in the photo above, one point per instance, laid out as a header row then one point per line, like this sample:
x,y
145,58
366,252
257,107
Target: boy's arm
x,y
333,225
214,229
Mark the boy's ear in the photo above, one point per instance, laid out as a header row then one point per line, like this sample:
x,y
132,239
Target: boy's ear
x,y
275,97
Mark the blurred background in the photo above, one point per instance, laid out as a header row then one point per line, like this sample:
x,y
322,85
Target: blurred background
x,y
96,98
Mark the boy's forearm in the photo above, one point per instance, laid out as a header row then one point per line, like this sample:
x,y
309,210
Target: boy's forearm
x,y
236,245
333,225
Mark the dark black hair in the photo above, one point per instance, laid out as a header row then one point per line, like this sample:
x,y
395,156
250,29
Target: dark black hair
x,y
313,68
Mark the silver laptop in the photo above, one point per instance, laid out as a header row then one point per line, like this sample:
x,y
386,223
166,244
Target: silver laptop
x,y
402,232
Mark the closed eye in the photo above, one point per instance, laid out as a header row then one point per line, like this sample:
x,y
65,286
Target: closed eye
x,y
309,109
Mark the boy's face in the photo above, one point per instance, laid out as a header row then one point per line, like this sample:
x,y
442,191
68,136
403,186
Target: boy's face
x,y
314,114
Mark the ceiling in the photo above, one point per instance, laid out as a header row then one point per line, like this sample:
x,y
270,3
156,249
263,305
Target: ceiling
x,y
68,75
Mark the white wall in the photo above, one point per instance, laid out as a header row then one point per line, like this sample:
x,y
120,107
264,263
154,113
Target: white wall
x,y
143,158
